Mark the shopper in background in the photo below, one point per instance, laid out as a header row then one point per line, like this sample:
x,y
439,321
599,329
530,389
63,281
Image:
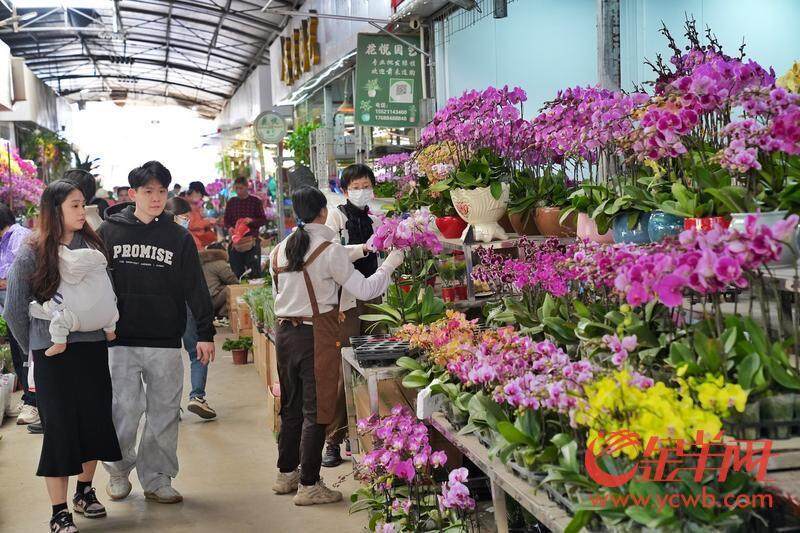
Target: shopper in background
x,y
122,195
13,237
157,274
198,374
176,190
353,224
73,387
308,271
86,182
100,199
218,275
201,228
246,254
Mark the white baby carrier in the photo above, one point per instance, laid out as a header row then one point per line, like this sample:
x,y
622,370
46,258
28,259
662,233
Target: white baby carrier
x,y
85,292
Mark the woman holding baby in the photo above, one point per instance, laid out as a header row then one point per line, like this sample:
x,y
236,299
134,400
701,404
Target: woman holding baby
x,y
61,307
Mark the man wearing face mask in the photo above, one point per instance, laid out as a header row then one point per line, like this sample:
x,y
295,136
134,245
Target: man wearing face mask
x,y
353,222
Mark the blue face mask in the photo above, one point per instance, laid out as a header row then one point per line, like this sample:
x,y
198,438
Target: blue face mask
x,y
184,222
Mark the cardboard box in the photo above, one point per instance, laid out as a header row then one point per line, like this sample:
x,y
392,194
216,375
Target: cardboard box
x,y
274,407
260,356
390,393
272,363
241,324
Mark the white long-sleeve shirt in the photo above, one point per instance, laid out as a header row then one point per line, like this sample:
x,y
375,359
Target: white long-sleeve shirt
x,y
337,221
331,270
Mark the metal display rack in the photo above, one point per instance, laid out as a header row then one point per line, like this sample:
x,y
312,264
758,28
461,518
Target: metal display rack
x,y
457,245
503,482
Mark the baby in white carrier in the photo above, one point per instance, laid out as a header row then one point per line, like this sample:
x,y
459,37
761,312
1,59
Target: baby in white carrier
x,y
85,300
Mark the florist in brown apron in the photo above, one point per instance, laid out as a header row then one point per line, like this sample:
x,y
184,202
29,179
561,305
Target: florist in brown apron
x,y
309,270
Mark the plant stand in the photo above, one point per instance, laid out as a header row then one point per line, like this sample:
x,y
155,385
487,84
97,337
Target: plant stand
x,y
503,482
372,376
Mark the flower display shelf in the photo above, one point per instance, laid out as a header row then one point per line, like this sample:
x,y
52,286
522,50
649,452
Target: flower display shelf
x,y
503,482
372,375
468,249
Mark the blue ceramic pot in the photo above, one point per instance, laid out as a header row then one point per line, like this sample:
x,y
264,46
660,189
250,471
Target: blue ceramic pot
x,y
663,225
636,235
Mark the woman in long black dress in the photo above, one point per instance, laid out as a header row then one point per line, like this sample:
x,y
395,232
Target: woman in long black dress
x,y
73,387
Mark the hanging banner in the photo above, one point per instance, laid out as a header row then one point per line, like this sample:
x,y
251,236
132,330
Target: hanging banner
x,y
388,81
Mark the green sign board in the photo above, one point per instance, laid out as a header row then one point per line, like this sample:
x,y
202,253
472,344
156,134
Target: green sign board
x,y
388,81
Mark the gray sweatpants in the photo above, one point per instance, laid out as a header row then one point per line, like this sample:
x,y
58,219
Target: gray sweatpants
x,y
147,381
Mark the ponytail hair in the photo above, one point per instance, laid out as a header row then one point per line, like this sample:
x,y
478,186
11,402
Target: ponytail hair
x,y
308,203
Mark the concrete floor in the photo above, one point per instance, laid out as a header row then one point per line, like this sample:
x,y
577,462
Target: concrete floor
x,y
227,468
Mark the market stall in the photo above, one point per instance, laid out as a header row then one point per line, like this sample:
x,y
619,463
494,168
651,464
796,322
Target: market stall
x,y
628,325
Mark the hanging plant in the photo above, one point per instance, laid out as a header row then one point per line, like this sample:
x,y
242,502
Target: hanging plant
x,y
299,142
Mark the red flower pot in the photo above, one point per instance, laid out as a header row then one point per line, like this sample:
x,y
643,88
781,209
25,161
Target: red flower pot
x,y
450,227
449,294
706,223
461,292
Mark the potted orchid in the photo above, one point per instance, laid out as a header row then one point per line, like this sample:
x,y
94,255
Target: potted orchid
x,y
490,137
400,474
410,299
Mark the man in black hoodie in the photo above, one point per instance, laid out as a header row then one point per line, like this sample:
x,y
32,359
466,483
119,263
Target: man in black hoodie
x,y
157,273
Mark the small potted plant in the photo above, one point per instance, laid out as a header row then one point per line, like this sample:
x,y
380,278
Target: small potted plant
x,y
239,349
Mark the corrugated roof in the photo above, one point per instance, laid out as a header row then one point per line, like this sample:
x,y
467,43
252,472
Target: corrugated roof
x,y
191,52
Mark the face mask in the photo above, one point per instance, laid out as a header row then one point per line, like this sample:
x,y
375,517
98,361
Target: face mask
x,y
360,198
184,223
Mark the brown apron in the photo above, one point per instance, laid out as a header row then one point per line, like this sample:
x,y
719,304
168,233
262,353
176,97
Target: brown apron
x,y
327,345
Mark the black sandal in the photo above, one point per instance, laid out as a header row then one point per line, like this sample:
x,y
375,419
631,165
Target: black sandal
x,y
88,505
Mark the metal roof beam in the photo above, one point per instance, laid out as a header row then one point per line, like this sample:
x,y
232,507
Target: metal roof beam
x,y
57,60
168,47
116,76
234,14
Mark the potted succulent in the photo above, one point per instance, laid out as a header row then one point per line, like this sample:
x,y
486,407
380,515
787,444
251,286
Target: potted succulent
x,y
239,349
479,189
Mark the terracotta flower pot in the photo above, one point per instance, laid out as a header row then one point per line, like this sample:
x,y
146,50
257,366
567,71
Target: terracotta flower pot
x,y
587,229
481,211
547,221
451,227
239,356
524,223
706,223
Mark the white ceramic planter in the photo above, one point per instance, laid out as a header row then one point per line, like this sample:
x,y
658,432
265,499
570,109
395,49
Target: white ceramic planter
x,y
481,211
788,256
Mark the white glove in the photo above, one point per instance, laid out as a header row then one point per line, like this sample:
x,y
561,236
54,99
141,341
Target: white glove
x,y
394,260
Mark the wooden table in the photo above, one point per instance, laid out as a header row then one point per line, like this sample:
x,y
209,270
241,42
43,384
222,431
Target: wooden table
x,y
372,375
504,482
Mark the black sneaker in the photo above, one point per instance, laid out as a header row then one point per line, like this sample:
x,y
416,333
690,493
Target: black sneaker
x,y
62,523
332,456
36,428
87,505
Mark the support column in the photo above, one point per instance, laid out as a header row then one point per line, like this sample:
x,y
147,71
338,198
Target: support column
x,y
608,44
